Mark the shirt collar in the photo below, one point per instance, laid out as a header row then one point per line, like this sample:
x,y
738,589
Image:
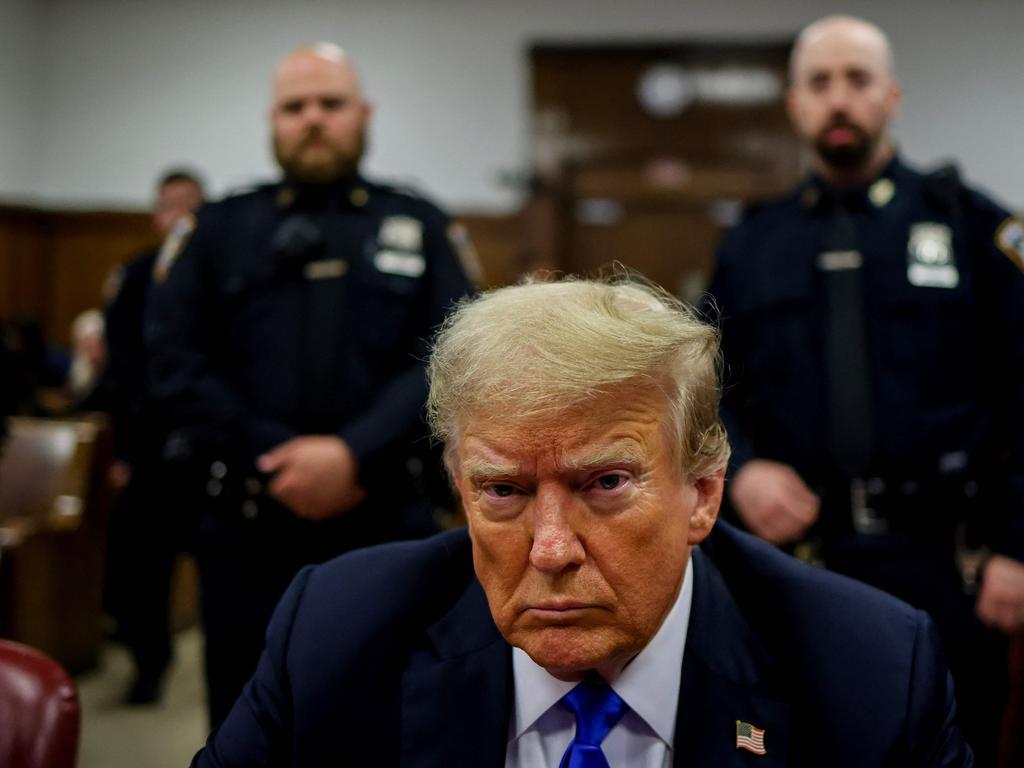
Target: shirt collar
x,y
649,684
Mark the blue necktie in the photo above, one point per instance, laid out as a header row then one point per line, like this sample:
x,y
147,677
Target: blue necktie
x,y
597,709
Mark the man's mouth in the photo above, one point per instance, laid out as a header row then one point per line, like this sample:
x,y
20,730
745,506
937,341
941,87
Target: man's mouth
x,y
842,134
559,610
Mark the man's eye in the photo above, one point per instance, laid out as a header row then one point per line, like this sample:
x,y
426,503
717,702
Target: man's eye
x,y
332,104
860,79
501,490
818,83
610,481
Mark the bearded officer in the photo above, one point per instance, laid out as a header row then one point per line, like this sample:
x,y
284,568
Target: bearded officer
x,y
870,318
288,328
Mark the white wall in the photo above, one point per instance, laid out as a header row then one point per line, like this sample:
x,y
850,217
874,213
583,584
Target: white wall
x,y
128,87
19,97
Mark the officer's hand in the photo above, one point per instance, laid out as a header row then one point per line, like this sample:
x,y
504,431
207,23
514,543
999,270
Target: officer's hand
x,y
1001,599
315,476
772,501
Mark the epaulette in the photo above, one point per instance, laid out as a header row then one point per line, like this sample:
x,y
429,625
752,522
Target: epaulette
x,y
248,189
751,208
406,189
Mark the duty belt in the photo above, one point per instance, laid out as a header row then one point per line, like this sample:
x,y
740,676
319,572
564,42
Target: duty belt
x,y
875,506
238,486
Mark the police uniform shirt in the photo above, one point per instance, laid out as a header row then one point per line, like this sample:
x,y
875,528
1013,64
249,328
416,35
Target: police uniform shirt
x,y
293,310
943,300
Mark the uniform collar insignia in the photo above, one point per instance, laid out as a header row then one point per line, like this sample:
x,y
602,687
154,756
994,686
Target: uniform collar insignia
x,y
881,192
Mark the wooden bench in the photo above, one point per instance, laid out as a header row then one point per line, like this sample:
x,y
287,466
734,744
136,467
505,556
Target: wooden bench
x,y
53,504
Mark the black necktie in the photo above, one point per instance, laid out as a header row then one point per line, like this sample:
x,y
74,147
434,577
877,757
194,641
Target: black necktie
x,y
848,375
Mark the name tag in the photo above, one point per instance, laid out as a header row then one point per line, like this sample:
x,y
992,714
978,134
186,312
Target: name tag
x,y
835,261
400,263
325,270
924,276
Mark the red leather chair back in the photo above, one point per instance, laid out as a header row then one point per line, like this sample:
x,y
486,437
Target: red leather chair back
x,y
39,713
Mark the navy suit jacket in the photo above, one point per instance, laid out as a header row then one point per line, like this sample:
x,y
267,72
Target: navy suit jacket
x,y
389,656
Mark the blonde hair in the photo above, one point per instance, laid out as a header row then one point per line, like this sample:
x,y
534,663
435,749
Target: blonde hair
x,y
540,348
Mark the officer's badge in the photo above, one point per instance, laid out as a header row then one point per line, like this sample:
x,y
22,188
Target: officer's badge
x,y
1010,240
461,243
327,269
173,246
930,256
881,192
403,233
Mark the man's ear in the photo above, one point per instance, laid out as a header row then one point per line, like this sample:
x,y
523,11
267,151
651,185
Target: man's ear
x,y
705,509
895,99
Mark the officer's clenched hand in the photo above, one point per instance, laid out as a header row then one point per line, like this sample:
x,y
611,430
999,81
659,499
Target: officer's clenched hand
x,y
1001,600
772,501
315,476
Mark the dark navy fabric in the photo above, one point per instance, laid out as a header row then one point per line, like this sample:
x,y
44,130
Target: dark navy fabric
x,y
948,405
388,656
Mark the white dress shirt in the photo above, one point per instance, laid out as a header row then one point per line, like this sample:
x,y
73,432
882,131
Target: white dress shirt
x,y
540,730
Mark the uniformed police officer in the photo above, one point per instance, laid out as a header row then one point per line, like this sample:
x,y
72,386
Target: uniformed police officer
x,y
288,330
870,321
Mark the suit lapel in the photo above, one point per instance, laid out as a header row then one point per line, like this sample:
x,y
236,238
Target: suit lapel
x,y
727,676
456,696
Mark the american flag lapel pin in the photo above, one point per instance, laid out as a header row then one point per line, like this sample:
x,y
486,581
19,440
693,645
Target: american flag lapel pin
x,y
750,738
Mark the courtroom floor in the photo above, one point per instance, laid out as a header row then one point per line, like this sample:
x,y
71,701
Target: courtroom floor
x,y
165,735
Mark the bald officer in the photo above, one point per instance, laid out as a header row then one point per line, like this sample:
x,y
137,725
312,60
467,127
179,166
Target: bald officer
x,y
288,328
870,318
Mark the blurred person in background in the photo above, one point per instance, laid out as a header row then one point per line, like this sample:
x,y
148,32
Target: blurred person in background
x,y
871,321
85,385
147,530
287,335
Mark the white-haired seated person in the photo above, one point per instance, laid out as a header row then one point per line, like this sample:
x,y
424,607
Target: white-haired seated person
x,y
592,613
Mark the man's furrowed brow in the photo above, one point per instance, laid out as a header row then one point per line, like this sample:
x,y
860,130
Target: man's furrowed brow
x,y
624,453
478,468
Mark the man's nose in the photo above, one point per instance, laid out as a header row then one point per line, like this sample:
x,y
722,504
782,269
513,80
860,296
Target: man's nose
x,y
556,545
312,113
839,98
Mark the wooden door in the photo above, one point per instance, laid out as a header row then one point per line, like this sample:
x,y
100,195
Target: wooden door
x,y
646,181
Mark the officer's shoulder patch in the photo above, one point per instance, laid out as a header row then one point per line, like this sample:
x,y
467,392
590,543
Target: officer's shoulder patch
x,y
399,188
173,246
462,244
1009,239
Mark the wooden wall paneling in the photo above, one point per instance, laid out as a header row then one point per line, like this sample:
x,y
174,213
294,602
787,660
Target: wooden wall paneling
x,y
53,264
499,245
85,248
26,269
